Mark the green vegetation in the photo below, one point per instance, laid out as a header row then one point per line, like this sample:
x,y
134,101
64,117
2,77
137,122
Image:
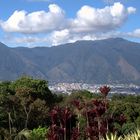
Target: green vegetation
x,y
29,111
24,103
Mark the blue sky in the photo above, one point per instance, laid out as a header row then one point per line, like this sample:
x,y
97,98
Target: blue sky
x,y
52,22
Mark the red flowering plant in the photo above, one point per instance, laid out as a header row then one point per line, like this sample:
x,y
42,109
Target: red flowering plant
x,y
104,90
65,115
75,134
54,133
89,120
61,128
99,121
78,105
54,114
121,119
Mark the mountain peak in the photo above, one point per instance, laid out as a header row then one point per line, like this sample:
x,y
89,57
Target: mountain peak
x,y
118,39
3,45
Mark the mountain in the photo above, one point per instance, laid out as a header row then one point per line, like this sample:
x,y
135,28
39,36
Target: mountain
x,y
113,60
13,65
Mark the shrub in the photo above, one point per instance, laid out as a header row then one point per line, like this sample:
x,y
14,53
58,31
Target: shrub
x,y
38,133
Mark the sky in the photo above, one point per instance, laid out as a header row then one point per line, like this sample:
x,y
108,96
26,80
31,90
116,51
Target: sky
x,y
31,23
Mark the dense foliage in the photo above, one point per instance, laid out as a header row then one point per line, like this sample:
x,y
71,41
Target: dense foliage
x,y
30,111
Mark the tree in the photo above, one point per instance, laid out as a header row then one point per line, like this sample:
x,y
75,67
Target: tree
x,y
5,88
25,103
39,88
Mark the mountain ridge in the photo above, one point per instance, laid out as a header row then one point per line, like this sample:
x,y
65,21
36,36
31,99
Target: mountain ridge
x,y
113,60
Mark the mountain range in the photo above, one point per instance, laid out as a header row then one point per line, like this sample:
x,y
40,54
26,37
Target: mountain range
x,y
113,60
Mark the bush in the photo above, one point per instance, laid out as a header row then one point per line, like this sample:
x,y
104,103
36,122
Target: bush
x,y
38,134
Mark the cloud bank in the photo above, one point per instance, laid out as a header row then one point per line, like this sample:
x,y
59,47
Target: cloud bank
x,y
35,22
135,33
88,23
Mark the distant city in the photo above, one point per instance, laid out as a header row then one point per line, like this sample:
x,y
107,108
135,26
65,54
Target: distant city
x,y
94,88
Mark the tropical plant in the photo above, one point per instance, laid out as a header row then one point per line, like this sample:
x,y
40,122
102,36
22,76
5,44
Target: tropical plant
x,y
112,137
38,133
23,135
133,136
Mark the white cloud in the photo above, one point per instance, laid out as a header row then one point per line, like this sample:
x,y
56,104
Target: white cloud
x,y
92,24
65,36
131,10
35,22
135,33
58,37
28,40
90,19
89,24
25,39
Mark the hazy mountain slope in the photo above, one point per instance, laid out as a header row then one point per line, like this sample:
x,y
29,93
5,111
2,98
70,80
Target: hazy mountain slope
x,y
103,61
13,65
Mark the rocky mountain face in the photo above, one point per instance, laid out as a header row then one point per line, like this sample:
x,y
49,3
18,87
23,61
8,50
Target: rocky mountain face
x,y
113,60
